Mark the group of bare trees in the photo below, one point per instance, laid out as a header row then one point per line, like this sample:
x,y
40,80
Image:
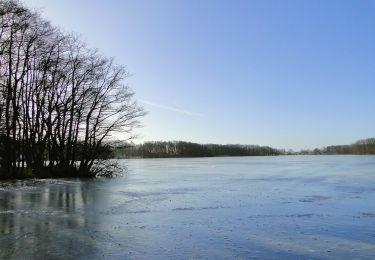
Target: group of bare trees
x,y
365,146
59,100
179,149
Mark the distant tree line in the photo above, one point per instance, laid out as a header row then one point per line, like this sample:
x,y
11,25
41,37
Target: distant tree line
x,y
59,100
366,146
178,149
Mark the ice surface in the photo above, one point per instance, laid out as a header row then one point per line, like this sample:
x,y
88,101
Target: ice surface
x,y
207,208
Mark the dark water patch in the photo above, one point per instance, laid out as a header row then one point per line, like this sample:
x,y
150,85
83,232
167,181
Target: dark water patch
x,y
356,189
303,215
309,215
272,178
139,194
199,208
184,209
214,207
314,198
369,214
138,211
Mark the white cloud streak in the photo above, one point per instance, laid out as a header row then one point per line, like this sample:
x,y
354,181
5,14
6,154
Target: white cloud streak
x,y
173,109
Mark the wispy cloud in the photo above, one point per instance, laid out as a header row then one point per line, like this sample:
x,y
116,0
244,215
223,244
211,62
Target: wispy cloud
x,y
173,109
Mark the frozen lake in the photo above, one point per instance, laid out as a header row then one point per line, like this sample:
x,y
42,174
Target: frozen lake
x,y
207,208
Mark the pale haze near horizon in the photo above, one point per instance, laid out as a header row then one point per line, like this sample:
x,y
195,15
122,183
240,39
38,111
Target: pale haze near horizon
x,y
288,74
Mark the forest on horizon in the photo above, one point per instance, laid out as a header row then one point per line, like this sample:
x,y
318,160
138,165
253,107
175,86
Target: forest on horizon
x,y
181,149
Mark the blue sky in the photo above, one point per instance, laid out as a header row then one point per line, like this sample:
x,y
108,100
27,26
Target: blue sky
x,y
289,74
